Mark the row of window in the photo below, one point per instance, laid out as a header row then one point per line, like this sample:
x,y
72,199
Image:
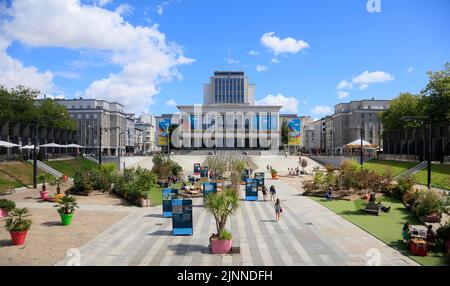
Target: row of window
x,y
229,90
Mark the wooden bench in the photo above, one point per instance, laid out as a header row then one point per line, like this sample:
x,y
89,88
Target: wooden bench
x,y
7,192
373,209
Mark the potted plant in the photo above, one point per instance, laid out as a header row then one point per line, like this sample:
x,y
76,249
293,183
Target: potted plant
x,y
274,173
44,192
221,206
443,233
18,225
67,206
6,206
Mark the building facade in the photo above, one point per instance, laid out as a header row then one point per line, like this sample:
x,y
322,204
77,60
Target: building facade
x,y
350,122
101,123
227,119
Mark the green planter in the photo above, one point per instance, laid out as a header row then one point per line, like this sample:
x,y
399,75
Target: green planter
x,y
66,219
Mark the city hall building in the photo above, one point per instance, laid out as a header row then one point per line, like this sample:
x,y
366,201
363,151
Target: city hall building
x,y
227,119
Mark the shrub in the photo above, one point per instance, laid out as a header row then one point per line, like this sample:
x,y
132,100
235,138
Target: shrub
x,y
225,235
308,186
7,205
18,221
404,185
81,184
431,202
164,167
444,232
319,179
102,178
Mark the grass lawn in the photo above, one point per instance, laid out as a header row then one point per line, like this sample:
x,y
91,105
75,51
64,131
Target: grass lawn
x,y
380,166
70,167
19,174
440,176
387,226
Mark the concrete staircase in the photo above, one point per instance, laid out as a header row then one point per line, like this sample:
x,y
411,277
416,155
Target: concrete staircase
x,y
413,170
46,168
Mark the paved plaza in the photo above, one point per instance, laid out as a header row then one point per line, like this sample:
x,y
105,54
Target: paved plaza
x,y
308,234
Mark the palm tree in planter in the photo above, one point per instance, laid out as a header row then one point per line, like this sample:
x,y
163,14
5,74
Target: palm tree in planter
x,y
221,206
18,225
6,206
67,206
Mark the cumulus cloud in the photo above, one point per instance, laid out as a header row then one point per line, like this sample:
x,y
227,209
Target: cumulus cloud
x,y
290,104
274,61
366,78
344,85
410,69
171,102
321,110
281,46
343,94
124,9
253,53
102,3
261,68
144,55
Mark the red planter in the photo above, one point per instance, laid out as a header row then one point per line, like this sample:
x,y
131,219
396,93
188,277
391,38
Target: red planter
x,y
3,213
221,246
18,237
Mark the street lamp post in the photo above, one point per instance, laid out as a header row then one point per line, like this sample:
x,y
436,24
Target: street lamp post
x,y
426,120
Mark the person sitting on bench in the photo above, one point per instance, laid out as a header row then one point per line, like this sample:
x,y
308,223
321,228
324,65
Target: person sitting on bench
x,y
373,201
329,194
406,232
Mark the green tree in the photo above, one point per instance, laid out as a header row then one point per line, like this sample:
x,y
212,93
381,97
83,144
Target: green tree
x,y
436,95
406,104
284,132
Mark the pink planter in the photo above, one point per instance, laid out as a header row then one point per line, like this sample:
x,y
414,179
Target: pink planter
x,y
221,246
44,195
18,237
3,213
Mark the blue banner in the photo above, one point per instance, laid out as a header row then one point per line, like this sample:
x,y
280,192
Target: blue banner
x,y
197,168
251,190
204,172
208,188
167,196
182,217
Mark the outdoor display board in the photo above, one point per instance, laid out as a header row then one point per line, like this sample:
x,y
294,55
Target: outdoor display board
x,y
294,132
182,217
197,168
167,196
251,190
259,177
208,188
245,174
163,134
204,172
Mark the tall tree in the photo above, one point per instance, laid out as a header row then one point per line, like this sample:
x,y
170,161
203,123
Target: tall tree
x,y
436,95
284,132
406,104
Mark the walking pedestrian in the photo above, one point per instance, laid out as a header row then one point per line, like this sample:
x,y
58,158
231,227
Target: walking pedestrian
x,y
264,192
278,210
273,193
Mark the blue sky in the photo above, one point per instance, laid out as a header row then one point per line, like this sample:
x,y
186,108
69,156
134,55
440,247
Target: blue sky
x,y
157,53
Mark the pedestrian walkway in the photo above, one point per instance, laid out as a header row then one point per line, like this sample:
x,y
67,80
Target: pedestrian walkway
x,y
308,234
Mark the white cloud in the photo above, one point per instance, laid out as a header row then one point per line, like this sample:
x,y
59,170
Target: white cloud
x,y
321,110
344,85
14,73
410,69
261,68
343,94
124,9
280,46
171,102
144,55
366,78
102,3
253,53
274,61
67,74
290,104
161,7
